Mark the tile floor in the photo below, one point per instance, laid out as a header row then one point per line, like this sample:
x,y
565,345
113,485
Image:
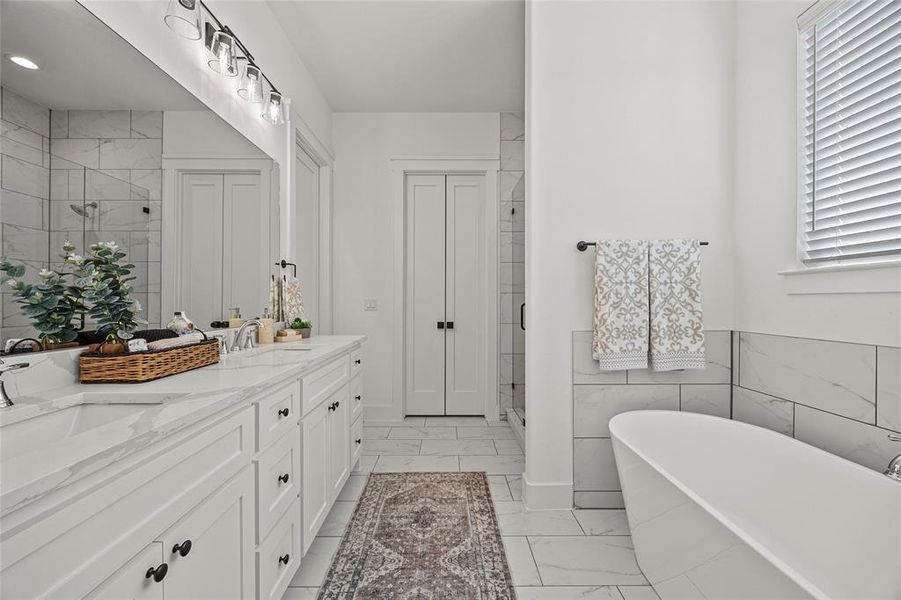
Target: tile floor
x,y
553,555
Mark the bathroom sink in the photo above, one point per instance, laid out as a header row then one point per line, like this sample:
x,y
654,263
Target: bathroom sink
x,y
51,428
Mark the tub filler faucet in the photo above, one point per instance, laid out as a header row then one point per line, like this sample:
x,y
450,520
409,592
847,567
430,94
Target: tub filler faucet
x,y
5,400
893,471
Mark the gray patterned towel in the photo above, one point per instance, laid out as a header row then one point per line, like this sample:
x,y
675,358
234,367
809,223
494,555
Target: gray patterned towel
x,y
677,321
621,305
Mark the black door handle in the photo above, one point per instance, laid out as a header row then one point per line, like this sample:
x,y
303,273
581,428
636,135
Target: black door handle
x,y
522,316
440,324
358,397
337,403
358,361
284,559
283,412
331,406
182,548
283,478
359,441
450,324
158,573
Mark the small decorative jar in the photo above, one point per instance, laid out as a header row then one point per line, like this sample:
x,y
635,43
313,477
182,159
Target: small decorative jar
x,y
181,324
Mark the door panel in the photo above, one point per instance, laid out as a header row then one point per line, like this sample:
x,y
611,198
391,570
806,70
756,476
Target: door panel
x,y
315,458
200,257
306,227
465,296
245,277
425,200
339,441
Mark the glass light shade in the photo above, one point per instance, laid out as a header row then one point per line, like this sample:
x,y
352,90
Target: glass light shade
x,y
251,88
274,109
183,17
224,60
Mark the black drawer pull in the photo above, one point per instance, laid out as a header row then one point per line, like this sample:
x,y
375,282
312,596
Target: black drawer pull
x,y
358,361
158,574
440,324
283,412
182,548
358,397
283,478
450,324
284,559
359,441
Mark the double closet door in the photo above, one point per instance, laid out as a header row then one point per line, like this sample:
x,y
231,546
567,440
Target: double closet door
x,y
445,295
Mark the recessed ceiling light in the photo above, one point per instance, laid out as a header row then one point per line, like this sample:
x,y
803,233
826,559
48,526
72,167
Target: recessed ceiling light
x,y
24,62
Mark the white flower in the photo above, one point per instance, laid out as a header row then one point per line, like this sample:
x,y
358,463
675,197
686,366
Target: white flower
x,y
13,283
45,274
68,246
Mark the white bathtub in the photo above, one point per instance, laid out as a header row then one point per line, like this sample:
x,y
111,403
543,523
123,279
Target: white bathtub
x,y
720,509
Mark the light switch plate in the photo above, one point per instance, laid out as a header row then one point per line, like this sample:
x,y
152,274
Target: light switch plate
x,y
370,304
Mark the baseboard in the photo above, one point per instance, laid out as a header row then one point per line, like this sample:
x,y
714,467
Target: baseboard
x,y
546,496
519,430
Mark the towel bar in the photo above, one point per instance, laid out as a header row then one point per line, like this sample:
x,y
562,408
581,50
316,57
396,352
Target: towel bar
x,y
582,246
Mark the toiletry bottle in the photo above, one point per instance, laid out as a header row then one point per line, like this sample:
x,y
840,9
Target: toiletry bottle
x,y
180,323
266,333
234,318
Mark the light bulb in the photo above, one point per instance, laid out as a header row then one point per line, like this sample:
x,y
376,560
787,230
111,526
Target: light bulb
x,y
225,61
274,111
251,84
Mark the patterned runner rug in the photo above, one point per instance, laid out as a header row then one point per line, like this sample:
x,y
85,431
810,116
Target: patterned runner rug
x,y
421,536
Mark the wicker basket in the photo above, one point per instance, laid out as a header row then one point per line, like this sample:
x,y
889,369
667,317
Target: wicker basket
x,y
146,366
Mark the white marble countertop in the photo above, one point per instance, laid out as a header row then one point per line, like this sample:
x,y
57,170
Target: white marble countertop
x,y
180,401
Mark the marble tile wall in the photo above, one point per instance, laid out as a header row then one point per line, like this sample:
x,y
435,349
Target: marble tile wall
x,y
511,259
844,398
121,190
600,395
24,195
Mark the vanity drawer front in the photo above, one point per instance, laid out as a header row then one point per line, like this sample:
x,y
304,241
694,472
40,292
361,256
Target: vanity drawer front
x,y
356,441
356,397
131,581
322,383
279,556
277,413
356,361
278,481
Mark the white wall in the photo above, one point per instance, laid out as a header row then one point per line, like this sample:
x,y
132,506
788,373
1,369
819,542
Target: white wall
x,y
364,228
766,201
202,134
629,112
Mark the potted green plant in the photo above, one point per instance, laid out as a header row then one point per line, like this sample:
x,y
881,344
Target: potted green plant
x,y
104,276
304,327
53,304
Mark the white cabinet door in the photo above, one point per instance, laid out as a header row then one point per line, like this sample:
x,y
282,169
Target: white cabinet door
x,y
339,441
210,552
131,582
245,223
315,489
464,296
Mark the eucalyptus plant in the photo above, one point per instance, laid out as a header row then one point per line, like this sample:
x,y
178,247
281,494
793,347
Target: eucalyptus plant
x,y
104,276
53,303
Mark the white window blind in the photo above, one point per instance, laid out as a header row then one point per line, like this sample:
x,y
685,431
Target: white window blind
x,y
850,138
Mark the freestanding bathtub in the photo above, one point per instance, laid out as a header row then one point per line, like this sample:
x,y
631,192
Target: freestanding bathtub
x,y
721,509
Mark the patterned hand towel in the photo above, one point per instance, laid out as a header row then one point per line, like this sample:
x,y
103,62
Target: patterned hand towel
x,y
621,305
293,302
677,321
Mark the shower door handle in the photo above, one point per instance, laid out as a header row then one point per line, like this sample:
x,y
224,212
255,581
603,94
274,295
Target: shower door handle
x,y
522,316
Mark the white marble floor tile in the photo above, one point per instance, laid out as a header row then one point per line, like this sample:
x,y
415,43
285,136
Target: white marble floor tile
x,y
338,518
586,560
457,447
494,465
299,593
414,422
391,447
315,563
353,488
367,463
513,519
455,421
519,558
500,491
485,433
376,433
423,433
603,521
638,592
400,464
508,447
598,592
515,484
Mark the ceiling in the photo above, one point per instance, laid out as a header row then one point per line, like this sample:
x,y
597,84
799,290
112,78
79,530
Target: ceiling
x,y
411,55
84,65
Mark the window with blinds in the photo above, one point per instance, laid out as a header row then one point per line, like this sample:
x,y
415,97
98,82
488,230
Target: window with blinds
x,y
850,138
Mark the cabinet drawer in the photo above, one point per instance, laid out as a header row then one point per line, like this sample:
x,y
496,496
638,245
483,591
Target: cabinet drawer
x,y
356,361
277,413
322,383
356,441
279,556
131,581
278,480
356,397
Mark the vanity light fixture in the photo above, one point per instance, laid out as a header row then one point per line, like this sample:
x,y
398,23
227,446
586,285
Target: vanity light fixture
x,y
183,17
23,62
251,88
275,113
225,59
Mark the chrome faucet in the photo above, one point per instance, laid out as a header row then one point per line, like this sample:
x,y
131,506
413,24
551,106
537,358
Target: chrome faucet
x,y
240,343
5,400
893,471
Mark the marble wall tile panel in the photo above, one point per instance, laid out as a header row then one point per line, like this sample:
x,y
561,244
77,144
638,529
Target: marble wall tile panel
x,y
131,154
595,405
707,399
99,124
859,442
888,388
146,124
25,113
513,126
763,410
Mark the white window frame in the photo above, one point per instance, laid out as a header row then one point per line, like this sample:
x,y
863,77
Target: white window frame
x,y
807,19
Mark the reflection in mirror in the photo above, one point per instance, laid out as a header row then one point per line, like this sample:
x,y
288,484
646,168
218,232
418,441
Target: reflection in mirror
x,y
100,145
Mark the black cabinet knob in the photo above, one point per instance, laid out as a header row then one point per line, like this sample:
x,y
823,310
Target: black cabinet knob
x,y
284,559
359,441
182,548
358,361
337,403
450,324
283,412
331,406
283,478
358,397
158,573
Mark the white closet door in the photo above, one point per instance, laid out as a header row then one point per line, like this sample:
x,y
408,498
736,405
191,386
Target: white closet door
x,y
245,273
200,248
425,200
306,231
465,296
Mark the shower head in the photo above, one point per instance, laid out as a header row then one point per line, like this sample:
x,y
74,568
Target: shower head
x,y
82,211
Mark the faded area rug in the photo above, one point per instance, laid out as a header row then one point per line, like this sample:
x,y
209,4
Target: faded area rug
x,y
421,536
